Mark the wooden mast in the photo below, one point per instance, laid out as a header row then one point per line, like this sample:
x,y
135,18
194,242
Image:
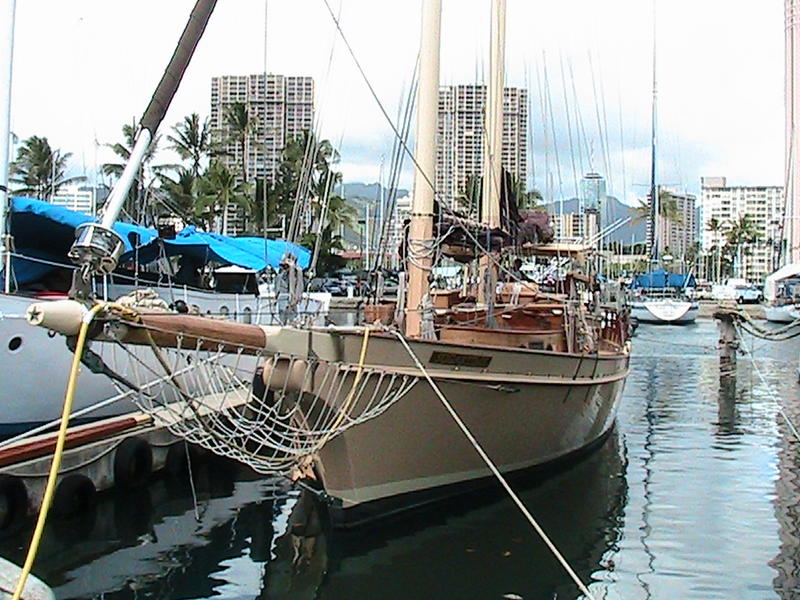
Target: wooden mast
x,y
493,148
419,256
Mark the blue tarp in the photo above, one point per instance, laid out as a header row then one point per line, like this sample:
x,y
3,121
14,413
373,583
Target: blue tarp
x,y
46,231
662,279
206,247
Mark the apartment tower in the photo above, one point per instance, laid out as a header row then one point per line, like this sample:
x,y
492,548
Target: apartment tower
x,y
282,107
461,139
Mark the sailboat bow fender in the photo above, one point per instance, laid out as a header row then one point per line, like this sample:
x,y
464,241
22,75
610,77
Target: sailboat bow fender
x,y
61,316
289,375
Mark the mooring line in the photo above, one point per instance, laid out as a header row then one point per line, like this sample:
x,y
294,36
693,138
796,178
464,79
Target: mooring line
x,y
496,472
773,394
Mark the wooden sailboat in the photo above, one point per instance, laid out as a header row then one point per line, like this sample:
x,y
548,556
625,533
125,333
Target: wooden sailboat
x,y
535,377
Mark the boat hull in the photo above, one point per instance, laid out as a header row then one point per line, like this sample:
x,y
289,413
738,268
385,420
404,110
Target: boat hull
x,y
785,313
535,408
665,311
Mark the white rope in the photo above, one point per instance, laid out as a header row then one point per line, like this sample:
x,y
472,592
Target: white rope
x,y
495,471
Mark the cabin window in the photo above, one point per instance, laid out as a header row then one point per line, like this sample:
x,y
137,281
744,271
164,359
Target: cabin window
x,y
14,343
223,310
247,315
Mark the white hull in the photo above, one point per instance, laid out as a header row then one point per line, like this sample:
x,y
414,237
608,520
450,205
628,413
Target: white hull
x,y
678,312
786,313
35,365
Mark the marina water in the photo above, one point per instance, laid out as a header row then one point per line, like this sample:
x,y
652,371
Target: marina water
x,y
694,495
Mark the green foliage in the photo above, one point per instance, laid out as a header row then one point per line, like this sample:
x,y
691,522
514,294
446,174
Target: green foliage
x,y
39,170
217,189
192,141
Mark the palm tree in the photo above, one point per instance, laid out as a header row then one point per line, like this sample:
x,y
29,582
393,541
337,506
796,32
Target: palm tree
x,y
242,126
179,195
667,208
714,226
40,170
218,188
192,141
741,235
144,178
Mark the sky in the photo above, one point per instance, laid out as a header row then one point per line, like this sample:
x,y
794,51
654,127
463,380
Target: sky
x,y
83,68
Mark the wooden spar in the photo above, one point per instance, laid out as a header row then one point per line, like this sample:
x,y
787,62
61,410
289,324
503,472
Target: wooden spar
x,y
190,331
493,146
419,260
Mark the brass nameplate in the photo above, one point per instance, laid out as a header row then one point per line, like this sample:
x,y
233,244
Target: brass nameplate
x,y
460,360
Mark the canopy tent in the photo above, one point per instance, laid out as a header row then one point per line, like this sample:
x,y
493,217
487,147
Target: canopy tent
x,y
662,279
771,282
45,232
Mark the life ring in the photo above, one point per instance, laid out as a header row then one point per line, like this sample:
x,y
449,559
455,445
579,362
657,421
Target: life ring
x,y
133,463
13,501
74,494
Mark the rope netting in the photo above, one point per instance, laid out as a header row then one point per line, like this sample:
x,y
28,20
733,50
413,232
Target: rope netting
x,y
273,411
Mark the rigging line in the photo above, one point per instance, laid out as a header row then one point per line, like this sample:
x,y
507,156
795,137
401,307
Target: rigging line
x,y
609,175
600,131
621,141
531,137
543,113
495,471
569,127
579,118
553,129
407,150
773,395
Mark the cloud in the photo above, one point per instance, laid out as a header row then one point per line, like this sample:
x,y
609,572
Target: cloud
x,y
85,67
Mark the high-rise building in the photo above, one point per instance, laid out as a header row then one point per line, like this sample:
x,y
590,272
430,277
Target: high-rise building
x,y
581,227
593,192
282,107
75,197
678,234
724,205
461,138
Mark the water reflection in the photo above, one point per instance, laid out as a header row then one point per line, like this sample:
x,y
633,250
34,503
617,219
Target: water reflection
x,y
696,494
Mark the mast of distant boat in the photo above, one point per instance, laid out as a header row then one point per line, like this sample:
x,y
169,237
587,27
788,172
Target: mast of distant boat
x,y
654,199
420,239
5,138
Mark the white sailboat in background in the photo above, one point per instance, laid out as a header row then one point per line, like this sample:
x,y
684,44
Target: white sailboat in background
x,y
660,297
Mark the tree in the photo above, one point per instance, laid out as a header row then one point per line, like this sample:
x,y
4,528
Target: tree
x,y
39,170
667,208
145,177
714,226
242,126
179,196
218,188
740,237
192,141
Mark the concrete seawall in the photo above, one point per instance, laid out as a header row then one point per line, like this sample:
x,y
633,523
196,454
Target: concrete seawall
x,y
707,309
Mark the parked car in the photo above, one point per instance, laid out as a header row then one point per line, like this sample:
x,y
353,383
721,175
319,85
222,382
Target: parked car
x,y
738,290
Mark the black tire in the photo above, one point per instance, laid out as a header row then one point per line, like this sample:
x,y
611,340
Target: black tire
x,y
75,494
133,463
13,502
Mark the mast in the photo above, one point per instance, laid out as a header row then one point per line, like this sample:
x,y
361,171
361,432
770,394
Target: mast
x,y
654,199
5,135
493,155
98,247
791,230
420,235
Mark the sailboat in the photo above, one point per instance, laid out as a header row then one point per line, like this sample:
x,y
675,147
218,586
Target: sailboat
x,y
660,297
383,416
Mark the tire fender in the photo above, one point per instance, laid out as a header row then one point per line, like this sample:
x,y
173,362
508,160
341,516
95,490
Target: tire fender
x,y
133,463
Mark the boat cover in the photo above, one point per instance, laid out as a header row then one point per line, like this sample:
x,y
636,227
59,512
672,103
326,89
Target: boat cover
x,y
662,279
46,231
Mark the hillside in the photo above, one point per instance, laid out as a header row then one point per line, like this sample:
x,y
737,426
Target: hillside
x,y
611,210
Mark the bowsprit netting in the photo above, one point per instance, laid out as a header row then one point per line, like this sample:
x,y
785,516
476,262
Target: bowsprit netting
x,y
273,411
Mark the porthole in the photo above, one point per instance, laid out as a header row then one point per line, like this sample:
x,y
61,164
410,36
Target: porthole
x,y
223,310
14,343
247,315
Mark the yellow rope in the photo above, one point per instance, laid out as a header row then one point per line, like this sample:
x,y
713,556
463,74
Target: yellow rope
x,y
356,381
56,465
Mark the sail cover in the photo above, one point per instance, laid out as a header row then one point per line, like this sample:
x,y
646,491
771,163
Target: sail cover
x,y
45,232
662,279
